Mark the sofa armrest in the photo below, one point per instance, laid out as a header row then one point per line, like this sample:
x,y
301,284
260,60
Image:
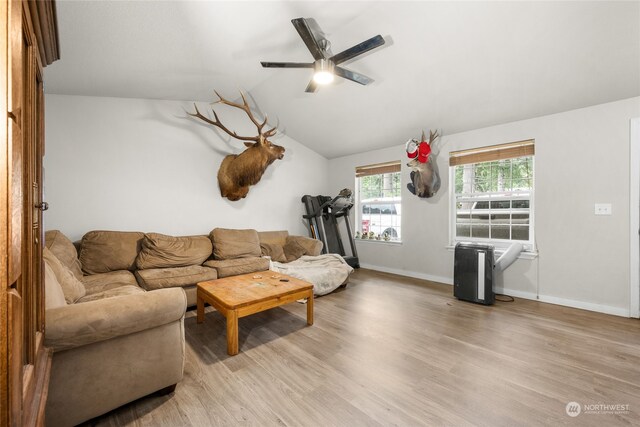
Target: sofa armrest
x,y
80,324
312,247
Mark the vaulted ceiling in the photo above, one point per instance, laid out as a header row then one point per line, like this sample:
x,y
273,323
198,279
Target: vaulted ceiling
x,y
451,65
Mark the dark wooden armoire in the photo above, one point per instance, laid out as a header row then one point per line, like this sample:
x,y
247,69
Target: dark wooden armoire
x,y
29,42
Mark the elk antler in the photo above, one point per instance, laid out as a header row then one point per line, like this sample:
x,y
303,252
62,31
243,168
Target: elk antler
x,y
432,136
245,107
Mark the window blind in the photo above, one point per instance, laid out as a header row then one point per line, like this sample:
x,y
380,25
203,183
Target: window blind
x,y
493,153
378,168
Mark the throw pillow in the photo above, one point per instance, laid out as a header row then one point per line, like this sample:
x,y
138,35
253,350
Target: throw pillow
x,y
64,250
72,288
293,250
53,295
274,251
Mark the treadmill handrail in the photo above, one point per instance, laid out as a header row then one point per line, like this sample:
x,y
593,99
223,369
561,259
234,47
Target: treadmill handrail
x,y
318,212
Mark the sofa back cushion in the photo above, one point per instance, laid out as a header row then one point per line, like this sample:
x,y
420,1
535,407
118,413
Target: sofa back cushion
x,y
72,288
293,250
105,251
230,244
53,294
161,251
64,250
273,237
273,251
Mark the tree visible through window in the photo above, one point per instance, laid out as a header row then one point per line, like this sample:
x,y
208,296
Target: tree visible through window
x,y
493,199
378,197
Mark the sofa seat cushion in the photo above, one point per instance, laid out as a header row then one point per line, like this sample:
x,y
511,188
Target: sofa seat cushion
x,y
72,288
231,244
234,267
161,251
113,292
105,281
64,250
158,278
105,251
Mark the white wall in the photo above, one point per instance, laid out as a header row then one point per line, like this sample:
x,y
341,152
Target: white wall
x,y
134,164
582,158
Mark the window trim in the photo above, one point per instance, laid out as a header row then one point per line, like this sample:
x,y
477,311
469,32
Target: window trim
x,y
499,244
358,202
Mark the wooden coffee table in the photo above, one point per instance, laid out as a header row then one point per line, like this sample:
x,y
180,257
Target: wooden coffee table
x,y
240,296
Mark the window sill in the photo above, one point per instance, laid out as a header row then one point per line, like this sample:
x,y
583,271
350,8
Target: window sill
x,y
383,242
499,252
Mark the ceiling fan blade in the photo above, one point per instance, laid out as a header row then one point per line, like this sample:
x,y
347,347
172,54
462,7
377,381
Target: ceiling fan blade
x,y
307,37
312,87
287,64
353,76
358,49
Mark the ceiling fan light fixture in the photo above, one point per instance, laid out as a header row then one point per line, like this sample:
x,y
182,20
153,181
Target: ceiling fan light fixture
x,y
326,65
323,77
323,72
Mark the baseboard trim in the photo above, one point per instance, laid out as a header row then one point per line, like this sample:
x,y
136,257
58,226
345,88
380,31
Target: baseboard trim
x,y
515,293
412,274
599,308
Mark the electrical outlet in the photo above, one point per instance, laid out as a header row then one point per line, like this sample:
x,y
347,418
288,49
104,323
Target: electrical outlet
x,y
603,208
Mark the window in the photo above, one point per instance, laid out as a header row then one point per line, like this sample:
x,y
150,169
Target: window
x,y
492,200
378,200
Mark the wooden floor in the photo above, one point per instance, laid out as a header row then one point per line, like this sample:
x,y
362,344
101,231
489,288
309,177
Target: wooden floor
x,y
390,350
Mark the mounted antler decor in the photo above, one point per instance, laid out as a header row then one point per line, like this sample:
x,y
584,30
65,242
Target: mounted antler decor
x,y
238,171
425,179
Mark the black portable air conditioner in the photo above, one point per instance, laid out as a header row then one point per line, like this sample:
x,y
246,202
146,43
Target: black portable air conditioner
x,y
473,273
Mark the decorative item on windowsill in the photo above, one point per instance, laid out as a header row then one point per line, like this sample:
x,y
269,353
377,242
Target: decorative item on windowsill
x,y
425,179
372,235
386,237
357,236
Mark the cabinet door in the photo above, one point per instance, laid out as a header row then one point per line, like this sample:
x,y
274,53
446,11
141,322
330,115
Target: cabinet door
x,y
36,357
27,360
24,361
15,327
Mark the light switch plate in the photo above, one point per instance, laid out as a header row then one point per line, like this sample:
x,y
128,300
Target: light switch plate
x,y
603,208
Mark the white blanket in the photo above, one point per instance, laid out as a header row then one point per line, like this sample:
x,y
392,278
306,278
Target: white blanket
x,y
325,272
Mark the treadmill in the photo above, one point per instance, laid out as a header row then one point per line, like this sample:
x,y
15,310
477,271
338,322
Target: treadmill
x,y
323,213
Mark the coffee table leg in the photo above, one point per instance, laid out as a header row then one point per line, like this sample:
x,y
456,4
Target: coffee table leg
x,y
232,332
200,310
310,309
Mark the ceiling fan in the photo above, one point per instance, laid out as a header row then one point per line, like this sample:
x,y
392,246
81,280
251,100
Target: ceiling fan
x,y
326,65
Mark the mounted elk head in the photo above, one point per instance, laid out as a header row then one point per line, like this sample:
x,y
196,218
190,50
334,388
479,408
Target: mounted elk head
x,y
425,179
238,171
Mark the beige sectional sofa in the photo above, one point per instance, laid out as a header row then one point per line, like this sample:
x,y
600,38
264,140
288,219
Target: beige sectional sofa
x,y
115,308
157,261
